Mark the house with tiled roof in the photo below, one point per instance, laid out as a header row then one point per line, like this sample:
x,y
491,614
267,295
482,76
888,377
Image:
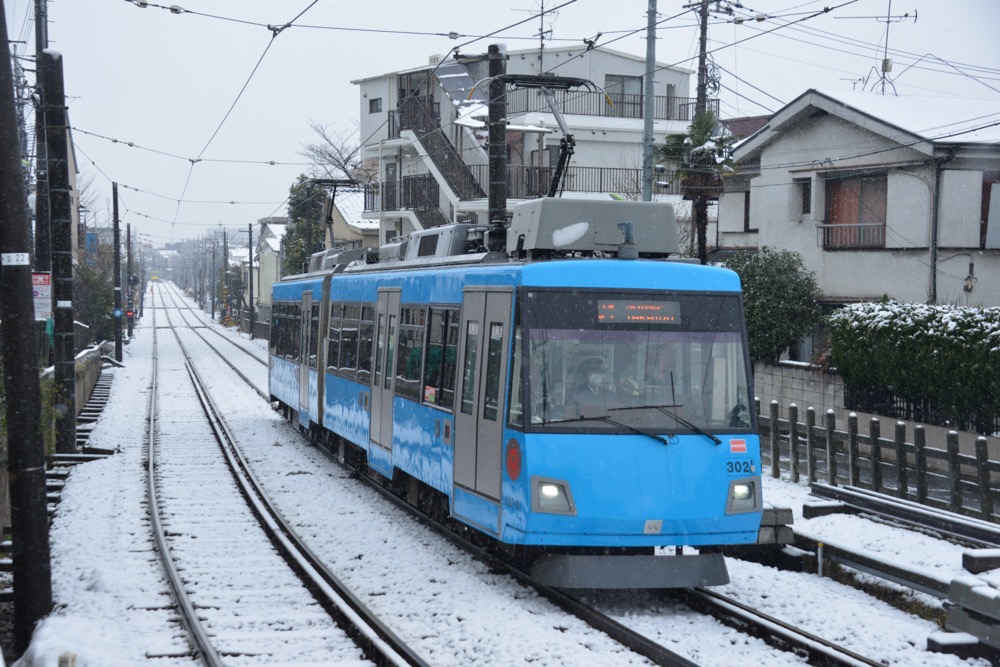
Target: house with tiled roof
x,y
881,195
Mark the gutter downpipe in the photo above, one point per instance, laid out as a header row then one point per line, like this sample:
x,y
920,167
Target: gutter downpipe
x,y
936,219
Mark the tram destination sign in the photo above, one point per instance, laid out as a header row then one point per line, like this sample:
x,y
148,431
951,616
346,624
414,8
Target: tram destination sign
x,y
638,311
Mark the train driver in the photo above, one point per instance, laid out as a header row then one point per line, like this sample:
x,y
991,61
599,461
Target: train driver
x,y
592,394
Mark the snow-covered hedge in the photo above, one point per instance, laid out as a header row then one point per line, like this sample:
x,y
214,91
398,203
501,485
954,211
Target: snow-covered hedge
x,y
948,356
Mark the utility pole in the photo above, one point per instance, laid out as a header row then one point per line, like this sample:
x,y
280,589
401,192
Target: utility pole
x,y
700,102
43,234
32,569
250,271
130,304
497,64
212,281
116,244
225,274
649,104
699,204
56,132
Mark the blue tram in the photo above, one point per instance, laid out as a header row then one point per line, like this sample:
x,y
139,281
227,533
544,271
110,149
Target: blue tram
x,y
570,406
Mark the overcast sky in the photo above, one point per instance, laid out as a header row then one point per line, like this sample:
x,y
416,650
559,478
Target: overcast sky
x,y
171,83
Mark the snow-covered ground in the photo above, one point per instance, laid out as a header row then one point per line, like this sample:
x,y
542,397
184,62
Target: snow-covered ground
x,y
110,600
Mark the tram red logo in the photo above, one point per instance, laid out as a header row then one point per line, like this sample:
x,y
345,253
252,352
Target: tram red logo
x,y
738,446
513,459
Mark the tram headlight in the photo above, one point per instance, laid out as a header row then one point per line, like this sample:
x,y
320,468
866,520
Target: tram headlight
x,y
552,495
743,496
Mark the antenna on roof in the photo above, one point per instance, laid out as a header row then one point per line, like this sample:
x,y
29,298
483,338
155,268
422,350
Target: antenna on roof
x,y
888,19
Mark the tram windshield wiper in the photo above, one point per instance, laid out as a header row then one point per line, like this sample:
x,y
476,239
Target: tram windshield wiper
x,y
608,420
666,409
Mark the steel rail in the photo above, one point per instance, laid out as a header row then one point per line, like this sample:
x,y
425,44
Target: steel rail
x,y
627,637
775,632
202,644
263,394
172,289
379,642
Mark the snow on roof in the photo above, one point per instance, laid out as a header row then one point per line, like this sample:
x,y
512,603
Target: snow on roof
x,y
351,205
939,119
277,231
238,255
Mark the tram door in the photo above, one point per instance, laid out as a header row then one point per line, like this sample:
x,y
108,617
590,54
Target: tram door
x,y
485,336
383,377
307,350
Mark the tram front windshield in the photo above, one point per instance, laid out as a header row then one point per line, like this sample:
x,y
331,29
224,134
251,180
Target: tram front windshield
x,y
657,362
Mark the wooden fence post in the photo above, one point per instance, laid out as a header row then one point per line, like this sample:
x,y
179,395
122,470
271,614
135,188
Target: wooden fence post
x,y
900,441
810,444
831,448
920,465
983,464
954,472
775,447
852,449
793,440
875,436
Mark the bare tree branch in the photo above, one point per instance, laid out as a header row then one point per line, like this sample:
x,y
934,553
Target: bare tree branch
x,y
337,155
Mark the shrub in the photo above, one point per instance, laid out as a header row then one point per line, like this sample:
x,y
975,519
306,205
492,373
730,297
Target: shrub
x,y
944,356
781,299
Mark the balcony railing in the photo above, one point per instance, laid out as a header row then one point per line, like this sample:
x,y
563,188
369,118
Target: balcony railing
x,y
861,235
526,100
533,182
522,183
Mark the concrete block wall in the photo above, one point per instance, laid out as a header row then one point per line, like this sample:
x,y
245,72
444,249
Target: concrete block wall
x,y
800,383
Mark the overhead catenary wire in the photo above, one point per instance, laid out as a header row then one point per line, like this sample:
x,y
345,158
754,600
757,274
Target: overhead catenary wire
x,y
436,34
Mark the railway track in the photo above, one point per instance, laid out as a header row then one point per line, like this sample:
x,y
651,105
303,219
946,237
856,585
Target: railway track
x,y
245,589
255,377
783,636
185,309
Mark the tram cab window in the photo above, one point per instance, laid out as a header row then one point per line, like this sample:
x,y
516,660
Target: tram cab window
x,y
651,361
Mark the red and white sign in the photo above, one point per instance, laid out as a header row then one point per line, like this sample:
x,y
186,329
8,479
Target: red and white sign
x,y
738,446
41,289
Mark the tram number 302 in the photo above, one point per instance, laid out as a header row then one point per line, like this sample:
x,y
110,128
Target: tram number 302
x,y
740,467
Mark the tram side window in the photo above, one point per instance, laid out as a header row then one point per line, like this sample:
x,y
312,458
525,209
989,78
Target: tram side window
x,y
440,357
333,348
295,329
313,336
272,343
288,331
515,412
494,358
349,340
366,335
409,351
469,365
